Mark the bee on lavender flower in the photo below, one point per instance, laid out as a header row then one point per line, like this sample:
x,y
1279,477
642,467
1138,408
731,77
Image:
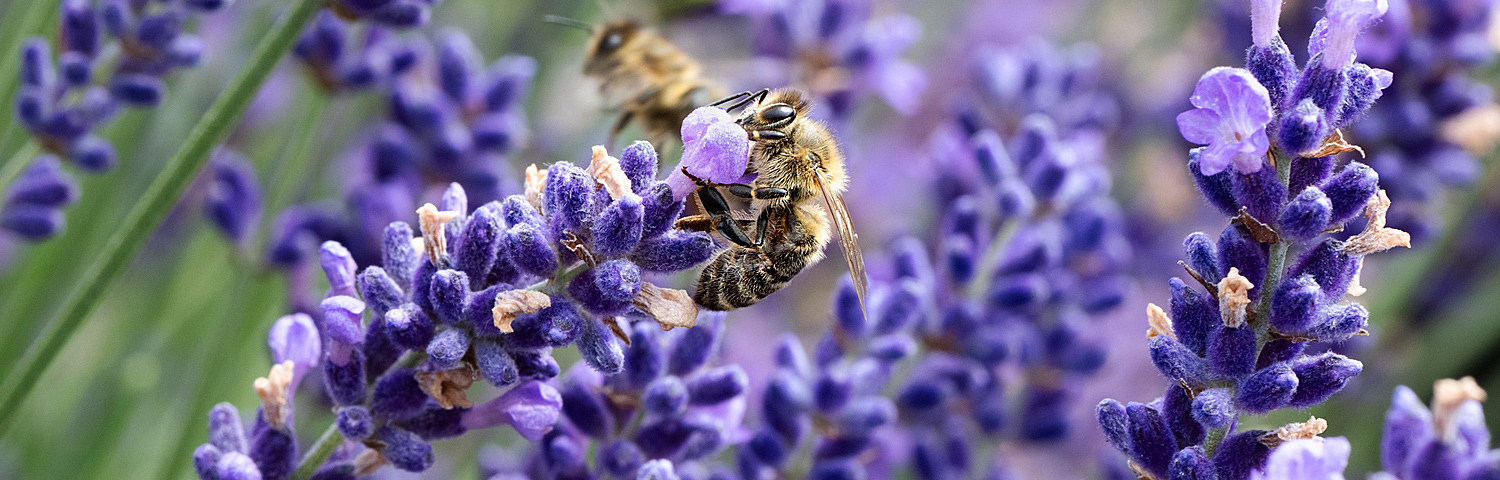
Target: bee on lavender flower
x,y
800,175
644,76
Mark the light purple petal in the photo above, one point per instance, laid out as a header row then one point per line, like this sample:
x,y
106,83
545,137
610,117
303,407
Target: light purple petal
x,y
902,84
697,122
295,337
1307,459
718,153
339,267
1217,157
532,408
1199,125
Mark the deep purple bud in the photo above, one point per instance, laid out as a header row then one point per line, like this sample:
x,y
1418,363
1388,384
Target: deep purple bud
x,y
436,422
1115,423
408,327
338,267
900,308
1332,269
1261,193
137,90
1341,322
274,452
1019,293
766,448
1177,412
448,348
638,161
1231,351
696,345
1194,315
847,469
1176,362
718,385
355,423
1319,377
76,69
665,397
225,430
1268,389
1322,85
599,348
36,63
1302,129
618,229
553,326
379,290
1151,442
342,316
237,466
645,358
659,210
234,201
1307,172
791,357
607,289
1191,463
1217,188
1214,408
475,250
586,409
674,251
1237,249
44,183
568,195
536,364
31,222
1306,216
398,255
895,347
1240,454
457,62
1274,67
1202,256
1436,460
93,154
1365,86
847,313
397,394
346,383
621,458
206,461
404,449
80,28
784,404
495,364
1278,350
994,162
861,416
527,246
1294,306
1349,190
1408,426
449,295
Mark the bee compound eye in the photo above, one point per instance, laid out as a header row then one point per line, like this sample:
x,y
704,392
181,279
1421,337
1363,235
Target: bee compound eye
x,y
611,41
777,113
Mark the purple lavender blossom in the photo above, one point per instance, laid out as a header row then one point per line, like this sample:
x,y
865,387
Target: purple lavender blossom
x,y
1450,440
715,149
1233,109
340,61
1307,459
33,207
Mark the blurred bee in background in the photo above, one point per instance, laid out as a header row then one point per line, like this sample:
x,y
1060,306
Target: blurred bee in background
x,y
800,175
643,76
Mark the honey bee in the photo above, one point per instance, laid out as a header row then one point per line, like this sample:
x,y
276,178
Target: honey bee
x,y
800,175
644,76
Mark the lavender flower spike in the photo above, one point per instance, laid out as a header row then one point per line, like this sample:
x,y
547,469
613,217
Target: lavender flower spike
x,y
1233,109
714,149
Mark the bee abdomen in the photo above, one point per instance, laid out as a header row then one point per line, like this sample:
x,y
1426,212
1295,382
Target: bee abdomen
x,y
740,277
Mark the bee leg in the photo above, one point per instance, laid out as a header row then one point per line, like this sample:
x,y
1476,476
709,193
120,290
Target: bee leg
x,y
697,223
619,127
723,221
745,190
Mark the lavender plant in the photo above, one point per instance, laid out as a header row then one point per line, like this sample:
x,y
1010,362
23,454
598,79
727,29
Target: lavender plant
x,y
1239,346
836,50
112,53
585,241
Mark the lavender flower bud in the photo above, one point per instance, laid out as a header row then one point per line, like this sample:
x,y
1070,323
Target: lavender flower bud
x,y
449,295
644,358
397,394
1115,423
408,327
1278,350
1240,454
674,251
404,449
1237,249
1267,389
36,64
237,466
527,246
380,290
1176,362
1307,172
639,163
475,251
1272,64
847,313
1217,188
206,461
790,357
1261,193
621,458
1295,304
31,222
225,431
44,184
274,452
665,397
1341,322
346,383
718,385
1202,255
536,364
607,289
861,416
618,229
1151,442
1231,351
1191,464
1306,216
895,347
93,154
1349,190
1177,412
599,348
137,90
355,423
448,348
1365,86
80,28
1321,376
1323,86
398,255
341,324
495,364
1194,316
1214,408
436,422
659,210
1303,128
900,307
568,196
234,201
1332,269
695,346
1408,426
784,404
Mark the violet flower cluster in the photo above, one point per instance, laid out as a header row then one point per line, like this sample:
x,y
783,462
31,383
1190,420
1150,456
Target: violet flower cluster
x,y
1449,440
450,119
837,50
1425,137
109,53
403,341
339,60
1237,342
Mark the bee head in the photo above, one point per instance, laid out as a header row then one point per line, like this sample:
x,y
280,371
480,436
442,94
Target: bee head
x,y
608,39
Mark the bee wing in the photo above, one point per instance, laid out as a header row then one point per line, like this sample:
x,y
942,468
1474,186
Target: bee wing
x,y
848,239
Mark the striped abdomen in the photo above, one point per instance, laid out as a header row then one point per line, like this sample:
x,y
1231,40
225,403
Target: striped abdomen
x,y
740,276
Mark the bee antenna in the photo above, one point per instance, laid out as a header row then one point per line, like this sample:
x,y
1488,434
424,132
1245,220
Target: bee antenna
x,y
568,22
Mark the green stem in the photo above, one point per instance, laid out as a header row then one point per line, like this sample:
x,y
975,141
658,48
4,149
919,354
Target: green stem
x,y
17,163
153,207
319,453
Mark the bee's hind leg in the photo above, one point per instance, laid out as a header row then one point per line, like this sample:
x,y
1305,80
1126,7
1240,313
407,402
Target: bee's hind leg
x,y
718,217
